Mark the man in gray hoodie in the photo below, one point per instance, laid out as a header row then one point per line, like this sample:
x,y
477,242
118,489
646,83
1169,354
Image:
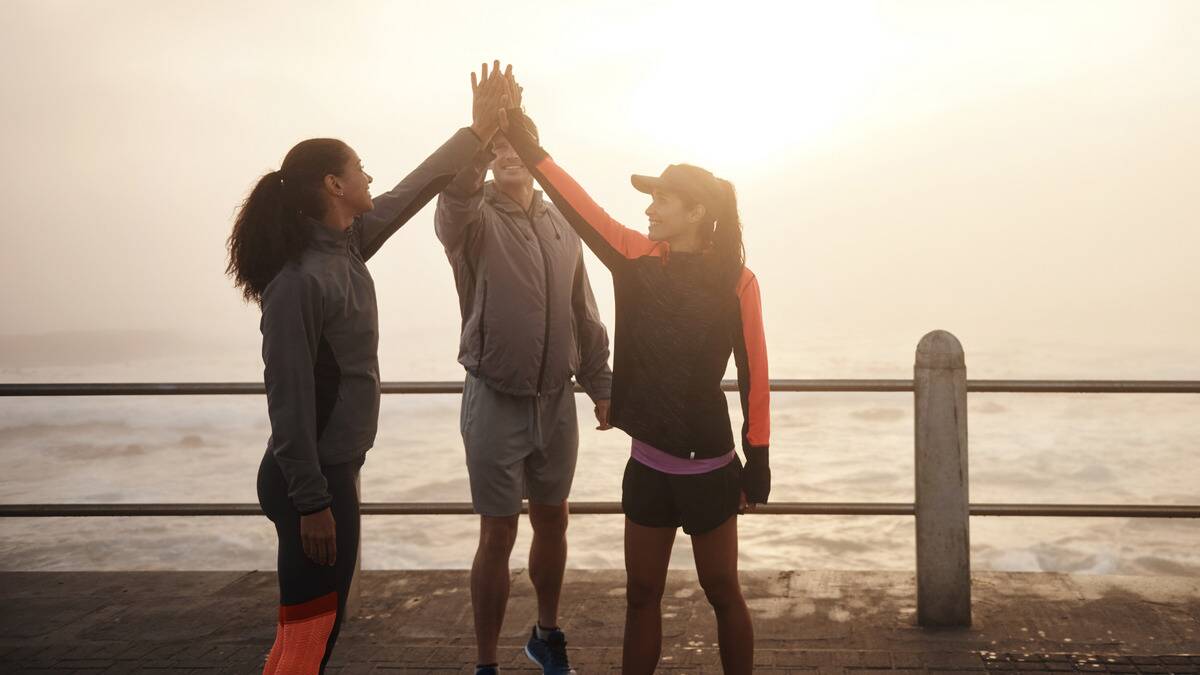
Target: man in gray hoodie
x,y
529,324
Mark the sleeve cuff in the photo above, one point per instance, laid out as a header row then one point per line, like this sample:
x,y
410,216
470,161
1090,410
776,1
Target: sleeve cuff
x,y
314,507
521,139
598,388
758,454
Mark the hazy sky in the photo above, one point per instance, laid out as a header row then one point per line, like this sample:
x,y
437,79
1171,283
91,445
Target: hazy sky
x,y
1013,172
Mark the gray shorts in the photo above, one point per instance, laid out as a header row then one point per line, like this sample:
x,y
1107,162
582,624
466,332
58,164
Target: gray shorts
x,y
518,447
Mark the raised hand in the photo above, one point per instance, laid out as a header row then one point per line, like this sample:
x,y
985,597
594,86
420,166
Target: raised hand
x,y
515,91
489,90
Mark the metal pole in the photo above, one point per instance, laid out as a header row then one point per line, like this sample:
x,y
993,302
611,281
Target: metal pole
x,y
354,598
942,506
606,508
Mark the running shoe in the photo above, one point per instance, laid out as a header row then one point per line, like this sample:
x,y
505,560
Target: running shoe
x,y
550,654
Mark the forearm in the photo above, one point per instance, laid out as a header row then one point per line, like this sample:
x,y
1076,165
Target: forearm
x,y
609,240
594,373
754,387
291,407
753,370
397,206
459,205
301,469
597,382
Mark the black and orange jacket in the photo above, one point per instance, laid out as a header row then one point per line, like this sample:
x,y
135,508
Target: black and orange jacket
x,y
675,329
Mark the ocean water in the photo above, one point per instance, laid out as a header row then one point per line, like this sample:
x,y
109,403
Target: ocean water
x,y
1142,449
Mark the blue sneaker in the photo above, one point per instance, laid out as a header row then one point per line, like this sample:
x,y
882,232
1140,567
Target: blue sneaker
x,y
550,654
487,670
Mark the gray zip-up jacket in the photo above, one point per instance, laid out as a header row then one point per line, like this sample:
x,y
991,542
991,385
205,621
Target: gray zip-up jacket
x,y
320,329
529,319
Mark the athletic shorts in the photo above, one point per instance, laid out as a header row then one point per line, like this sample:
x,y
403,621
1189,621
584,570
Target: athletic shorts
x,y
700,503
518,446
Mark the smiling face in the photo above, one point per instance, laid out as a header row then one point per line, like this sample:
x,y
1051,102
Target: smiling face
x,y
507,167
671,218
353,184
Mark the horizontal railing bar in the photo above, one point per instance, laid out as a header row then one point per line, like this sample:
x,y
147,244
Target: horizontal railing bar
x,y
450,387
1084,386
446,387
607,508
1088,510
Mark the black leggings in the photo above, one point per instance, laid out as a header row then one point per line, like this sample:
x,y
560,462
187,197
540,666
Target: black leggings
x,y
312,597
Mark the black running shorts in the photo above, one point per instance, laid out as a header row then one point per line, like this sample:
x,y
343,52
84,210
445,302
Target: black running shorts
x,y
700,503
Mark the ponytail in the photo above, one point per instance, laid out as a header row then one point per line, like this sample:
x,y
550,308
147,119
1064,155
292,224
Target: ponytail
x,y
729,253
269,229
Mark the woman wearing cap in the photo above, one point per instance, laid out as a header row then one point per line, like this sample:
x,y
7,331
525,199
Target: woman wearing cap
x,y
684,302
298,249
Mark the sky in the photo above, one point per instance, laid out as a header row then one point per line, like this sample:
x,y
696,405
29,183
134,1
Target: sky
x,y
1023,174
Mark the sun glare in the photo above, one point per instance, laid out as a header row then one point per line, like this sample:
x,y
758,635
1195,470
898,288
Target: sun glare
x,y
756,84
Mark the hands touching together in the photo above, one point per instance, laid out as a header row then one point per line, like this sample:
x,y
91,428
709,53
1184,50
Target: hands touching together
x,y
491,92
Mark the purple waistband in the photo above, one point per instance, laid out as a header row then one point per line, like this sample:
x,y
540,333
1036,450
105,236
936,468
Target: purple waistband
x,y
665,462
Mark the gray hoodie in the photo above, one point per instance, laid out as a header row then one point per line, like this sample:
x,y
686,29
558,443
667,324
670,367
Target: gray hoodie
x,y
320,329
529,319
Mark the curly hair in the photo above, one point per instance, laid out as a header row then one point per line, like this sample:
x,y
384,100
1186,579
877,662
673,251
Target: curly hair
x,y
269,229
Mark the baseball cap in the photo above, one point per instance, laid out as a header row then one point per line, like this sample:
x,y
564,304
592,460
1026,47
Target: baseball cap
x,y
685,180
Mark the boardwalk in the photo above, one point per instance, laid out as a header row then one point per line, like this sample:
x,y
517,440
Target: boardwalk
x,y
806,622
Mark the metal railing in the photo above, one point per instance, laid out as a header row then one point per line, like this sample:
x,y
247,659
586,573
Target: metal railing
x,y
794,386
940,507
72,389
604,508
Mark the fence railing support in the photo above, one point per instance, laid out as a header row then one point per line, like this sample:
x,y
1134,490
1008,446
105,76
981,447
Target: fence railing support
x,y
354,598
942,505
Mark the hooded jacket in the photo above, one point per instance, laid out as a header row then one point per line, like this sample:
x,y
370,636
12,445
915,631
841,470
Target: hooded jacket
x,y
529,318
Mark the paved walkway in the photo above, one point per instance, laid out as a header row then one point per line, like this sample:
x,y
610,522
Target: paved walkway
x,y
419,622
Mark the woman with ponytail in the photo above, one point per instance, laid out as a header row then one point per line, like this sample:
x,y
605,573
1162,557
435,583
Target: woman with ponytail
x,y
685,301
298,249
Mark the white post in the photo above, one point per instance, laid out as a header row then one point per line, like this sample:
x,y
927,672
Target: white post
x,y
353,603
942,505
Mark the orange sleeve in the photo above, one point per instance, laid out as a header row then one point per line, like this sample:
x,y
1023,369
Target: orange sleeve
x,y
750,357
603,234
612,242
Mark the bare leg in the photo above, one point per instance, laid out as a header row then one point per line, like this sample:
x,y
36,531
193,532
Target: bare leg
x,y
716,554
490,581
548,558
647,553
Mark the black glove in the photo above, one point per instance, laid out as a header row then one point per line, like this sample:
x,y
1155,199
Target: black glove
x,y
522,134
756,475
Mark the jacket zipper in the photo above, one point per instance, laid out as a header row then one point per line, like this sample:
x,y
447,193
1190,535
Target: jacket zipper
x,y
546,336
483,324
